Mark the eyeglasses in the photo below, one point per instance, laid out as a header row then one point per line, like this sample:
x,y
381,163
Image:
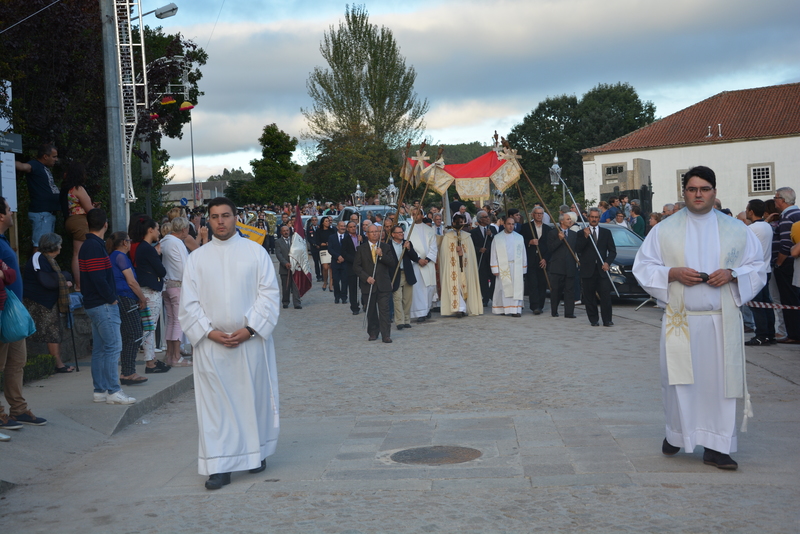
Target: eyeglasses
x,y
694,190
777,198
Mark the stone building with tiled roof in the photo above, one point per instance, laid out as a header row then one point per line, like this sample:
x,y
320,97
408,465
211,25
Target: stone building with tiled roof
x,y
751,138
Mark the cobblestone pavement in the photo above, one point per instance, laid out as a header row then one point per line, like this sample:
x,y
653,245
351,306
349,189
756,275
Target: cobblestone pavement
x,y
567,419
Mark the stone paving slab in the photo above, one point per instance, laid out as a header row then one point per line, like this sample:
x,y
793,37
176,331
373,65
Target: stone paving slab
x,y
568,420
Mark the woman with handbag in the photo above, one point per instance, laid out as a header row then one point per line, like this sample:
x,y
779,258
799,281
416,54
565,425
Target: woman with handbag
x,y
46,296
130,301
323,234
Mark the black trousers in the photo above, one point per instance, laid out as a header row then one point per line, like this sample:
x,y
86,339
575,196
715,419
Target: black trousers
x,y
378,313
339,273
764,317
537,285
317,264
597,284
790,295
486,280
352,288
562,287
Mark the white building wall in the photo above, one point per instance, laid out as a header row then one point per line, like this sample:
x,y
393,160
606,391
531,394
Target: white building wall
x,y
728,160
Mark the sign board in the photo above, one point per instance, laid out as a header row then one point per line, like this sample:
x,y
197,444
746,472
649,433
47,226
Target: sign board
x,y
184,202
10,142
8,179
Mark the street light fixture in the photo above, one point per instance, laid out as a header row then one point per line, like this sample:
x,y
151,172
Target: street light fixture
x,y
555,179
164,12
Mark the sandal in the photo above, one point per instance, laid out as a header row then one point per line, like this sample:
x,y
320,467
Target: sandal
x,y
132,380
181,362
65,369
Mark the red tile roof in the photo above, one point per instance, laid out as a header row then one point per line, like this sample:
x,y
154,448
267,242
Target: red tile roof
x,y
747,114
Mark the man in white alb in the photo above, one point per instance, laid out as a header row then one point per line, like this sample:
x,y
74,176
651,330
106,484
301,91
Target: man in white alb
x,y
229,308
424,242
702,265
510,263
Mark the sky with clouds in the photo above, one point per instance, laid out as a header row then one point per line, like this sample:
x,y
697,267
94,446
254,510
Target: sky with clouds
x,y
482,65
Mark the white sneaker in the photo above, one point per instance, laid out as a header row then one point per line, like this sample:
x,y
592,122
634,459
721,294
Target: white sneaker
x,y
119,398
157,349
100,397
3,437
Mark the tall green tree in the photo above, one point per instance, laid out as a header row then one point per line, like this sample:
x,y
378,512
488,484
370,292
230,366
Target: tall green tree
x,y
345,160
366,88
275,177
564,125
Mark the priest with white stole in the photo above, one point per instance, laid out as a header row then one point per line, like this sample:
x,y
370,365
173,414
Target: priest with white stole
x,y
228,310
424,242
509,262
702,265
458,272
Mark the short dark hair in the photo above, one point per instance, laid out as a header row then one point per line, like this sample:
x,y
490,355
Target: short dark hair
x,y
44,149
96,219
3,206
757,206
512,212
704,173
225,201
636,210
611,200
459,217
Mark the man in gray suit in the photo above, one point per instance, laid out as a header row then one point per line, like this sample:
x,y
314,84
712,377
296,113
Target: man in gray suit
x,y
561,268
282,247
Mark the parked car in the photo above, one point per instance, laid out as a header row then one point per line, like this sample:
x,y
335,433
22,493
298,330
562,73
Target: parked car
x,y
627,243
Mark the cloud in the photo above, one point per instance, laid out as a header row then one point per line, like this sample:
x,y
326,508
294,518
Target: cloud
x,y
485,65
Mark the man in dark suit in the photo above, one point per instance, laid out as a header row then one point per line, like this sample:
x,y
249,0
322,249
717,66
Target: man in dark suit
x,y
535,235
594,267
338,265
402,289
311,239
282,247
376,257
482,237
350,244
561,267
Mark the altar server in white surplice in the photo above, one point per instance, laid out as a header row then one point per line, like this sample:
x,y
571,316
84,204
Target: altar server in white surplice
x,y
229,307
702,265
424,242
509,262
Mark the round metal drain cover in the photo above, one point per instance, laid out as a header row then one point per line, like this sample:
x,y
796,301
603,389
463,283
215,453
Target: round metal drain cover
x,y
436,455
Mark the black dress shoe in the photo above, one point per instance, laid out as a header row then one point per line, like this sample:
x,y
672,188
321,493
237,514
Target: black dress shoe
x,y
344,301
407,325
260,468
610,323
355,312
298,307
401,326
387,340
421,319
554,314
537,312
570,317
285,306
372,338
595,324
669,450
719,460
216,481
336,301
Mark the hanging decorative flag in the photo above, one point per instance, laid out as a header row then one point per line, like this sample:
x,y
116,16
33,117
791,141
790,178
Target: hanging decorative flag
x,y
186,106
167,100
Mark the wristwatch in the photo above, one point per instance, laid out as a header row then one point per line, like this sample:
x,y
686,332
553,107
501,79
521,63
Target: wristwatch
x,y
733,274
252,332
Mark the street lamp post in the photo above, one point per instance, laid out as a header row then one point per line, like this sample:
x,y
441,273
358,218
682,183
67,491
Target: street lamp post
x,y
114,116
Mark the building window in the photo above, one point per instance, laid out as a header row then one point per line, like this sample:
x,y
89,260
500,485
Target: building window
x,y
680,173
761,179
612,172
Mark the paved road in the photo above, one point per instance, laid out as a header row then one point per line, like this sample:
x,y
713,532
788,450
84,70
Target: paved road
x,y
567,418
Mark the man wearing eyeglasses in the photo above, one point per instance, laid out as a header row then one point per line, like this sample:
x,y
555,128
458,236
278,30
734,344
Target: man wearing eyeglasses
x,y
702,265
785,265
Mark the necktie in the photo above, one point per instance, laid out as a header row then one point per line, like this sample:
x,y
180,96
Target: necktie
x,y
594,233
374,254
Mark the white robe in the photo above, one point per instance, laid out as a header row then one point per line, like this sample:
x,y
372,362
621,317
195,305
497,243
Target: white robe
x,y
423,239
228,285
699,414
516,264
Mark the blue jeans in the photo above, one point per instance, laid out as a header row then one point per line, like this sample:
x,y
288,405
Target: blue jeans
x,y
43,223
107,341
